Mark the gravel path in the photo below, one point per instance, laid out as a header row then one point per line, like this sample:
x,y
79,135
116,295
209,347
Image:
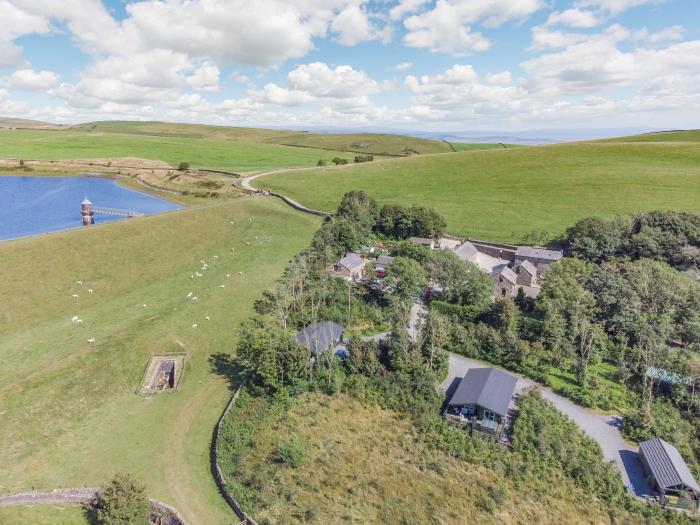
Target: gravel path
x,y
603,428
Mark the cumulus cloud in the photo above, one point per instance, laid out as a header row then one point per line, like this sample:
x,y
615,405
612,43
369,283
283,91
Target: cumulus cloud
x,y
32,80
615,7
446,28
574,18
205,77
403,66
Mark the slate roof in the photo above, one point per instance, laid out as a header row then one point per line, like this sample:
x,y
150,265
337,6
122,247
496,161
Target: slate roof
x,y
466,251
528,267
667,465
507,274
538,253
352,261
487,387
385,260
318,337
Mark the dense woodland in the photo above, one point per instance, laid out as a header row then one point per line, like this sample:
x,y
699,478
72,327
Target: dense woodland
x,y
623,302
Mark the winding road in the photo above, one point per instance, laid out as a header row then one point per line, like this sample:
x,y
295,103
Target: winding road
x,y
605,429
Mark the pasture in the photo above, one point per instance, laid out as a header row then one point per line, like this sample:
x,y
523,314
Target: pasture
x,y
507,194
213,153
68,412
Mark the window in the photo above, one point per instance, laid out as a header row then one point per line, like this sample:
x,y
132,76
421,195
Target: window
x,y
489,415
503,292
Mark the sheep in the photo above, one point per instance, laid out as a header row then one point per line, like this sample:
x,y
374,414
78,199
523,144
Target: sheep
x,y
91,341
216,257
199,274
75,296
247,243
194,326
79,321
192,276
228,275
240,273
89,290
144,305
195,298
189,295
230,222
79,283
207,318
203,262
75,319
222,286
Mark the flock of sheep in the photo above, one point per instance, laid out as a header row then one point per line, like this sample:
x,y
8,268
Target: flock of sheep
x,y
190,296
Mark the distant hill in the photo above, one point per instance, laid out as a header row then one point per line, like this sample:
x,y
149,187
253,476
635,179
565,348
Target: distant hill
x,y
367,143
22,123
692,135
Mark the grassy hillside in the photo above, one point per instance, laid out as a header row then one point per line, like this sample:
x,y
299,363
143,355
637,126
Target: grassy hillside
x,y
214,153
662,136
70,416
367,143
361,464
465,146
504,194
6,122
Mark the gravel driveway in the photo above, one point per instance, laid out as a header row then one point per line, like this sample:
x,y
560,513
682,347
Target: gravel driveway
x,y
603,428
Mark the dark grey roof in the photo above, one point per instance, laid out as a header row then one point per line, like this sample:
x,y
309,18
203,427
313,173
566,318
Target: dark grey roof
x,y
528,267
667,465
318,337
385,260
538,253
506,272
466,251
487,387
352,261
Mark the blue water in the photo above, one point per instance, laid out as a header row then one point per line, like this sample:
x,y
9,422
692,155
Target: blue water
x,y
33,205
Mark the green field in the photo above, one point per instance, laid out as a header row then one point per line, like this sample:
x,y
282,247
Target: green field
x,y
200,153
367,143
68,412
43,515
467,146
505,194
662,136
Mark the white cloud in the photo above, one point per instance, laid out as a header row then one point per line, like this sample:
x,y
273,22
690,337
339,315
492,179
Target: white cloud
x,y
446,28
353,26
406,7
615,7
343,81
205,77
32,80
574,18
545,38
669,34
504,77
403,66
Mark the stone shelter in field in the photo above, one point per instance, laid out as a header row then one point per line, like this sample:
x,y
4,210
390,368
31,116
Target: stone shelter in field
x,y
668,473
481,401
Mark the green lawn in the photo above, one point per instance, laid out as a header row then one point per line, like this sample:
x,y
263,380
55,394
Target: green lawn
x,y
68,412
376,144
216,153
505,194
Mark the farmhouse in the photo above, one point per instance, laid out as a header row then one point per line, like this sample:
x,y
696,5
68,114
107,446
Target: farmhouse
x,y
506,281
668,473
482,400
351,267
540,258
322,336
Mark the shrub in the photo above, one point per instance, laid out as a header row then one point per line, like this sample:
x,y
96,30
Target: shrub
x,y
321,162
183,166
337,161
123,502
291,453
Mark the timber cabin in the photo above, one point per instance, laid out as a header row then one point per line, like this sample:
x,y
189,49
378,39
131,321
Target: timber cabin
x,y
669,475
481,401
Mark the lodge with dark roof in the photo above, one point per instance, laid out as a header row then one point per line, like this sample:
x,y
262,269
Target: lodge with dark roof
x,y
668,473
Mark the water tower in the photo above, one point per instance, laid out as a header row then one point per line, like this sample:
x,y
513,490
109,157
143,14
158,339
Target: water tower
x,y
88,212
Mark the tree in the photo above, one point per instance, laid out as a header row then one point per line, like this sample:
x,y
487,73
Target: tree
x,y
406,277
475,289
183,166
338,160
123,502
434,336
597,239
360,209
321,162
447,270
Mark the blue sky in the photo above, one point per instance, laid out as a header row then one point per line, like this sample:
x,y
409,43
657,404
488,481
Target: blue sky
x,y
433,65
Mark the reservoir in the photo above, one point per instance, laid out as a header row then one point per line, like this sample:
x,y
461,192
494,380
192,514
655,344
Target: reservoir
x,y
33,205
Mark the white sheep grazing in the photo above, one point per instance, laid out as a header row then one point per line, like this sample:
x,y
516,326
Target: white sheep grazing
x,y
79,283
195,298
247,243
228,275
79,321
91,341
192,276
222,286
207,318
198,274
216,257
240,273
230,222
74,296
194,326
203,261
74,319
145,305
89,290
189,295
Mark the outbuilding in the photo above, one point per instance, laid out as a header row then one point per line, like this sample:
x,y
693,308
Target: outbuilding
x,y
668,473
322,336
